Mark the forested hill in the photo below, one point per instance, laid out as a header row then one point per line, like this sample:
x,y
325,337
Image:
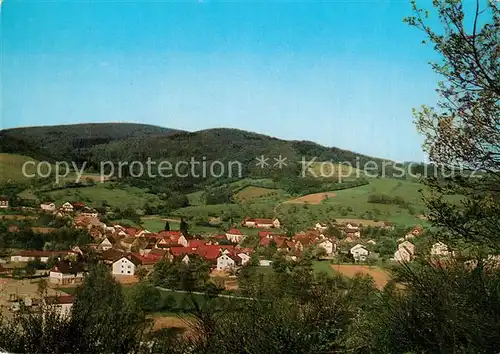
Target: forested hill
x,y
219,144
71,141
129,142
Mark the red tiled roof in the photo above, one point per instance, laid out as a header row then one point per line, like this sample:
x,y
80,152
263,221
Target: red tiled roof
x,y
180,251
209,252
264,241
264,221
196,243
220,237
234,232
264,233
157,252
131,231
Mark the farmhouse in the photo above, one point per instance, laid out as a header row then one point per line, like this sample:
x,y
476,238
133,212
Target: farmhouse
x,y
262,223
359,252
4,202
49,207
66,272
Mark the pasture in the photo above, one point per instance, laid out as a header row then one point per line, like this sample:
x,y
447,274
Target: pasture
x,y
11,168
109,192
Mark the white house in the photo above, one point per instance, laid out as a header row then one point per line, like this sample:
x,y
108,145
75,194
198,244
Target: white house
x,y
48,207
66,272
125,265
265,263
67,207
4,203
440,249
245,258
328,245
105,244
235,235
359,252
227,260
320,227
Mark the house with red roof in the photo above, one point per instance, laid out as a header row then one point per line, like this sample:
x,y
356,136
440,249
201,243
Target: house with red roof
x,y
235,235
169,239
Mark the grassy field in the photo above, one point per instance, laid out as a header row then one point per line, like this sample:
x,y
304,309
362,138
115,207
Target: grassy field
x,y
122,198
353,203
335,171
155,224
323,267
11,168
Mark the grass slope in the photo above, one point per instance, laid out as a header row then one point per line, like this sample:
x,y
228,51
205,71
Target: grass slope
x,y
131,197
11,168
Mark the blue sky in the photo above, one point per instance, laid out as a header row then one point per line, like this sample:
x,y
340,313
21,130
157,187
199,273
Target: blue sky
x,y
340,73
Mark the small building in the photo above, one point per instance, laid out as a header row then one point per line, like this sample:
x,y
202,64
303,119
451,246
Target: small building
x,y
66,272
265,262
359,253
49,207
4,202
67,207
105,244
328,246
89,212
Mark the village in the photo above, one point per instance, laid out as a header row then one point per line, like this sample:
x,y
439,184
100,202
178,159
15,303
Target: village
x,y
132,253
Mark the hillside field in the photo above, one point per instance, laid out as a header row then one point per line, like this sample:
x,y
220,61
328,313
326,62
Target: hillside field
x,y
115,197
11,168
334,171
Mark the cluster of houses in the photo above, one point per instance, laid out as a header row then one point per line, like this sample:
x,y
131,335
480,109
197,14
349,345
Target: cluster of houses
x,y
69,208
128,249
